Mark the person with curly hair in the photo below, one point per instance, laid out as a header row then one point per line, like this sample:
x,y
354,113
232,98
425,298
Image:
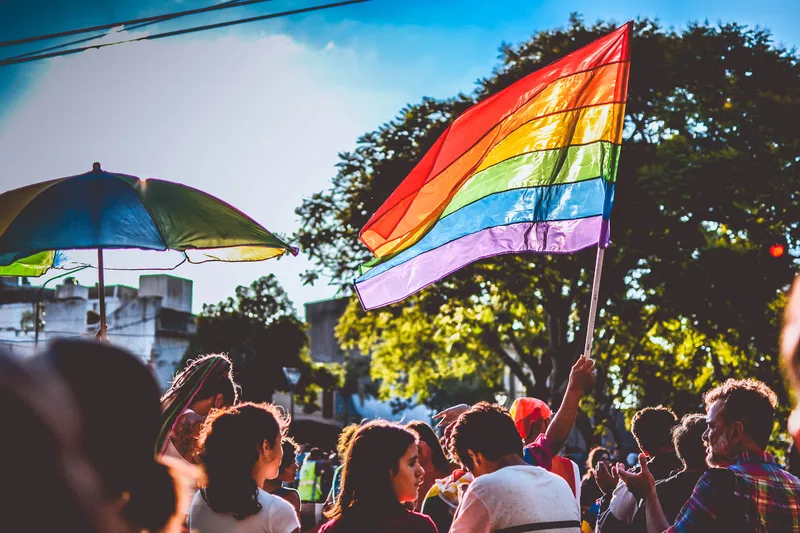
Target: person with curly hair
x,y
381,477
240,448
508,494
745,490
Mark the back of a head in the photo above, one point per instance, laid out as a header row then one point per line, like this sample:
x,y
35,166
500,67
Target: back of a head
x,y
530,416
427,435
205,377
229,448
748,401
372,460
595,456
50,486
485,428
652,428
118,400
688,440
344,440
315,455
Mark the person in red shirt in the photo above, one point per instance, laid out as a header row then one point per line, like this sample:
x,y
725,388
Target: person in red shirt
x,y
380,480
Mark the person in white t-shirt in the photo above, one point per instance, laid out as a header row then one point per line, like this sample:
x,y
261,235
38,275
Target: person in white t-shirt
x,y
507,494
240,448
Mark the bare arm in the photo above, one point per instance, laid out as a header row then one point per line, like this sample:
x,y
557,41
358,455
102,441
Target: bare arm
x,y
294,499
580,378
656,521
184,436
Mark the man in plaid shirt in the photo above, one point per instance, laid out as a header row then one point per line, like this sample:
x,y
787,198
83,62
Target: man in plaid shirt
x,y
747,491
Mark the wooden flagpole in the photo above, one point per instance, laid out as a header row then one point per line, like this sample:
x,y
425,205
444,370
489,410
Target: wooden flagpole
x,y
598,271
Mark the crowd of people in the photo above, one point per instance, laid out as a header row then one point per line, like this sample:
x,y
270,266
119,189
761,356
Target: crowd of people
x,y
92,446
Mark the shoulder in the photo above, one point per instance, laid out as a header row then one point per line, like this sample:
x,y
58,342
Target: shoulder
x,y
189,417
274,503
417,523
279,514
717,477
328,527
198,502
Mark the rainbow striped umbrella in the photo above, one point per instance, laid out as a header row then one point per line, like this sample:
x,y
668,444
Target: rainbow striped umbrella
x,y
54,223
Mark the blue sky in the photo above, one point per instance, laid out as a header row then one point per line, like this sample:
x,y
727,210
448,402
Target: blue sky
x,y
256,114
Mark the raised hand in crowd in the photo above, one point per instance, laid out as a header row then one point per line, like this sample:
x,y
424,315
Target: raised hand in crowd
x,y
606,477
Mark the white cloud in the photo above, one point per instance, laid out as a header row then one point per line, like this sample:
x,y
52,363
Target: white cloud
x,y
255,121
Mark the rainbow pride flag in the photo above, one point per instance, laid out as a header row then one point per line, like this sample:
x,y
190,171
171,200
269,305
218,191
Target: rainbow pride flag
x,y
529,169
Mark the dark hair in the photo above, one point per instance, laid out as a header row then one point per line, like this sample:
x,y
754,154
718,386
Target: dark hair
x,y
203,378
652,428
118,400
290,449
426,434
485,428
591,461
39,454
688,440
344,440
229,448
748,401
367,496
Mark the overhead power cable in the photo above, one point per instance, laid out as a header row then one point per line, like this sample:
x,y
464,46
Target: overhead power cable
x,y
145,20
156,20
25,59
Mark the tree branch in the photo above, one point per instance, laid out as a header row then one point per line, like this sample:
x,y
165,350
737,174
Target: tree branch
x,y
493,341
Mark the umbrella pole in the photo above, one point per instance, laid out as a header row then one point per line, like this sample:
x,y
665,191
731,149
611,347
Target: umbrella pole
x,y
101,293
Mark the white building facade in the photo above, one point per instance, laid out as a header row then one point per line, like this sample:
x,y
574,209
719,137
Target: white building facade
x,y
154,322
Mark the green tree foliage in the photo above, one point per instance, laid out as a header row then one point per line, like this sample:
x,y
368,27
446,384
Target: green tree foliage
x,y
708,180
260,331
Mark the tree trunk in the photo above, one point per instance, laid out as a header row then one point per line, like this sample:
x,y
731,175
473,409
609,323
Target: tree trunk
x,y
493,341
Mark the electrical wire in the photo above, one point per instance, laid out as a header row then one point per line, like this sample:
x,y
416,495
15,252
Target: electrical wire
x,y
13,61
142,21
160,18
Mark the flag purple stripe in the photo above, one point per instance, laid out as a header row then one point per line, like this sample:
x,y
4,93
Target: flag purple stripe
x,y
554,237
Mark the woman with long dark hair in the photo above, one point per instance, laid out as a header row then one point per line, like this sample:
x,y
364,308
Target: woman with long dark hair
x,y
381,476
118,401
240,448
431,457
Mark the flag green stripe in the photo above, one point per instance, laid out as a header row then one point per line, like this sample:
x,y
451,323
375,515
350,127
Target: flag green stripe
x,y
536,169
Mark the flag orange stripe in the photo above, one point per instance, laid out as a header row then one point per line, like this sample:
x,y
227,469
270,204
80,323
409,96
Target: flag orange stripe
x,y
568,128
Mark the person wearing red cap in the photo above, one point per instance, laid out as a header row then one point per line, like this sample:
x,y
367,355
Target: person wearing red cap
x,y
544,434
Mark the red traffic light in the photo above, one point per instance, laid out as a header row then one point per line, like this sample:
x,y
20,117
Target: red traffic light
x,y
776,250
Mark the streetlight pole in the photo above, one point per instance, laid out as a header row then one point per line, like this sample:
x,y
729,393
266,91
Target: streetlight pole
x,y
292,377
